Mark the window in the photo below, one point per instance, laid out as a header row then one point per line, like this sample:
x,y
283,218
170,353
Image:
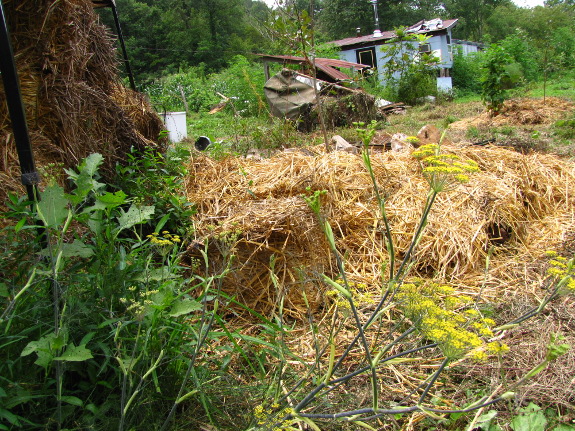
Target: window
x,y
366,56
425,47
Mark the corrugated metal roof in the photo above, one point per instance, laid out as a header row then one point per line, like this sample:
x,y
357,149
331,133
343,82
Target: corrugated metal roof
x,y
431,25
327,65
385,35
422,26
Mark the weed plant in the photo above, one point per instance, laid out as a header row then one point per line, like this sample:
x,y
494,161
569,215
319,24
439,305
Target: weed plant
x,y
100,328
194,90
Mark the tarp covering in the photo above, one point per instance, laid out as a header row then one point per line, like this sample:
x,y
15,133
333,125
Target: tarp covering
x,y
289,94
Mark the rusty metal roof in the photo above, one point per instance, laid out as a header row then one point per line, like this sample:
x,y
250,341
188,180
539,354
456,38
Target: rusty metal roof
x,y
326,65
420,27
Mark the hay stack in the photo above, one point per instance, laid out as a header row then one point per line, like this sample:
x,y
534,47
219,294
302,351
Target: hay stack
x,y
75,103
527,112
519,204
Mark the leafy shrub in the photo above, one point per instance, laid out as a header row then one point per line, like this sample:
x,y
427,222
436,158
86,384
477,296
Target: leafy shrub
x,y
494,77
94,328
243,82
525,55
563,47
466,72
157,180
565,128
168,93
417,82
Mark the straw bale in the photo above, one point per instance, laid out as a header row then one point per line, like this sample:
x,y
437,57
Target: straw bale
x,y
509,205
74,100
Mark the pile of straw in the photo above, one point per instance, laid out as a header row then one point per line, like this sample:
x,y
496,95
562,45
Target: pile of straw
x,y
526,112
518,204
75,103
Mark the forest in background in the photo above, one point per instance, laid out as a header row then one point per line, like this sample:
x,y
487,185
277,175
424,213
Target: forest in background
x,y
167,36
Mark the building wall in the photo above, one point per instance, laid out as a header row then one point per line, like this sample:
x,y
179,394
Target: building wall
x,y
466,47
438,45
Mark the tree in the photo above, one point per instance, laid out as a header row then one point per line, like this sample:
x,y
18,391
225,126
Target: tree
x,y
494,78
163,36
339,19
472,15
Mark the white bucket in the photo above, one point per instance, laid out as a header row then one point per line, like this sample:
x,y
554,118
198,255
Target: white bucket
x,y
176,125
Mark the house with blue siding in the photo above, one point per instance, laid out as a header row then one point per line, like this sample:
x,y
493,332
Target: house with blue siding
x,y
368,49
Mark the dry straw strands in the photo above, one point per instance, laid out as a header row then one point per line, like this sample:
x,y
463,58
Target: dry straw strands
x,y
519,111
508,205
75,103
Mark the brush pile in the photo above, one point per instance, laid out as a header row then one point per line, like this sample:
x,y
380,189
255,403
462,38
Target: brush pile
x,y
74,100
518,205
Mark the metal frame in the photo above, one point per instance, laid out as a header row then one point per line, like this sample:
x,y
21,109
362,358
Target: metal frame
x,y
29,177
112,4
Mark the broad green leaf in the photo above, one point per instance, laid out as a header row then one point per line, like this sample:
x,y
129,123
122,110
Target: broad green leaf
x,y
44,359
75,354
45,348
113,199
564,427
2,392
4,290
96,224
77,249
84,179
57,341
530,418
484,421
72,400
184,307
92,408
53,208
134,216
30,348
90,164
107,200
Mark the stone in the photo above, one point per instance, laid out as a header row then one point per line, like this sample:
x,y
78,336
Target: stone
x,y
340,144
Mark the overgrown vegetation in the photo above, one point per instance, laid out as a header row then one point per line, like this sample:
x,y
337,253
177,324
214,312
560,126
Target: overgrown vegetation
x,y
113,315
105,325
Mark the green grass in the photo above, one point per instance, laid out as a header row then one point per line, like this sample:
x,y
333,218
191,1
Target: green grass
x,y
561,85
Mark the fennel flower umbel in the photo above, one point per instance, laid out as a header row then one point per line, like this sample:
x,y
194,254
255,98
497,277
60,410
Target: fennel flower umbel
x,y
443,171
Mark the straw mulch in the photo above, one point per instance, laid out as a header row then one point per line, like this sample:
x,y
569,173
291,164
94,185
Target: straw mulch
x,y
74,100
518,204
525,112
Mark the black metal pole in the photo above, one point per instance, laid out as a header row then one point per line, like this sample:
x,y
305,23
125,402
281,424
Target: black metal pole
x,y
30,177
123,45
